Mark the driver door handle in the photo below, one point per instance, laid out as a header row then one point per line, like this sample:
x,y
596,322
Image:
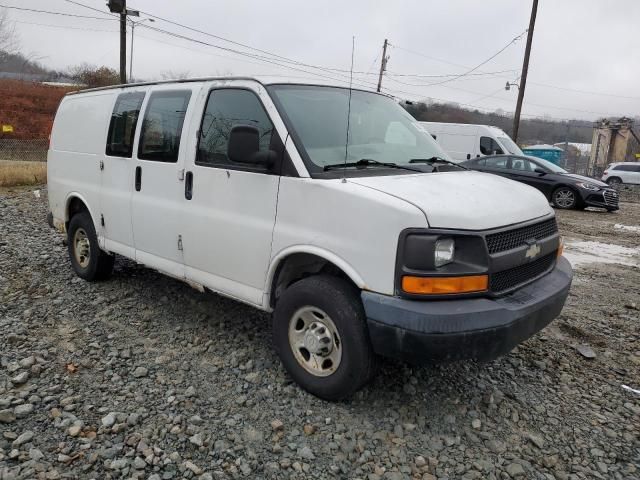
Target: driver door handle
x,y
138,178
188,186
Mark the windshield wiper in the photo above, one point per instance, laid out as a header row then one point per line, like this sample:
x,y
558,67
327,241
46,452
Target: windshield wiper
x,y
367,162
436,160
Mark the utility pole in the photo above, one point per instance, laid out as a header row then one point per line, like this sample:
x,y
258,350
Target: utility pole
x,y
383,63
525,69
123,43
120,7
133,31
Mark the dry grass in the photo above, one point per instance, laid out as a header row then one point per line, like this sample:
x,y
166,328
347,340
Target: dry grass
x,y
13,174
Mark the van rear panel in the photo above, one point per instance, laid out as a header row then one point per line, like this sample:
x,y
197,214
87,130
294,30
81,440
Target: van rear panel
x,y
78,141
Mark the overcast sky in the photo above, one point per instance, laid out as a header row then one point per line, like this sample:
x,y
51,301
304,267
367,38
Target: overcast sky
x,y
585,45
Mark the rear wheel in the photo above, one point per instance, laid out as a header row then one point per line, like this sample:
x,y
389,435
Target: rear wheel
x,y
565,198
613,181
321,336
88,261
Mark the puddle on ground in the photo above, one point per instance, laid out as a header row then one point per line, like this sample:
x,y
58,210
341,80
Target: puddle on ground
x,y
580,252
626,228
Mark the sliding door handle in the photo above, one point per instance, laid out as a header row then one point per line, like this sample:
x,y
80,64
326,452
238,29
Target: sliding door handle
x,y
188,186
138,178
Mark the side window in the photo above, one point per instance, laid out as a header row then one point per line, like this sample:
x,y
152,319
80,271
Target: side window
x,y
496,162
635,168
227,108
162,126
521,164
123,123
488,146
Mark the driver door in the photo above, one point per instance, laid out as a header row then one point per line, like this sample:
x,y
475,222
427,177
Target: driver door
x,y
230,211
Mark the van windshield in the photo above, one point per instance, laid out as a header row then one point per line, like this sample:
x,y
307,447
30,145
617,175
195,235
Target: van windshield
x,y
510,146
379,129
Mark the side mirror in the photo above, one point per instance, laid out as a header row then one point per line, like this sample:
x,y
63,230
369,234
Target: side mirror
x,y
244,147
540,171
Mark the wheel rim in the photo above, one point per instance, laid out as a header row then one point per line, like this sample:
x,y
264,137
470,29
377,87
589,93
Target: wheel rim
x,y
565,198
614,181
81,248
315,341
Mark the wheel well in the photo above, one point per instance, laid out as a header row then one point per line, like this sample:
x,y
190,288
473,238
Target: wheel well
x,y
298,266
614,176
75,206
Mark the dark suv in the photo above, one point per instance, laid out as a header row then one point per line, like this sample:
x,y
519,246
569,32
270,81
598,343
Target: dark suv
x,y
563,189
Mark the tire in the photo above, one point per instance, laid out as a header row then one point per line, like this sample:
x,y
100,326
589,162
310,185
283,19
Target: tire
x,y
565,198
315,306
88,261
613,181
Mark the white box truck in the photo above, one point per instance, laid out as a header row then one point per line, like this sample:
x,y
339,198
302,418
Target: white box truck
x,y
355,231
466,141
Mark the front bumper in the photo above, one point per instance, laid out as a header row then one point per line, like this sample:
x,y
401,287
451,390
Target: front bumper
x,y
607,198
476,328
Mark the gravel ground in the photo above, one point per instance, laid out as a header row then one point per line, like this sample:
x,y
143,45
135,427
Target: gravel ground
x,y
143,377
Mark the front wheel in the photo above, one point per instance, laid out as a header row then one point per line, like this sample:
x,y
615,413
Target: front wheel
x,y
321,336
565,198
88,261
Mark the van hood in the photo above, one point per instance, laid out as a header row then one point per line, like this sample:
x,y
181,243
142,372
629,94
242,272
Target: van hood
x,y
464,200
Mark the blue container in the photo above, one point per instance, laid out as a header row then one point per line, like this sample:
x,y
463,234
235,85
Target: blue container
x,y
546,152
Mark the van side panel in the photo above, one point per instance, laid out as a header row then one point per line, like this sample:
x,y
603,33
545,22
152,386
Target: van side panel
x,y
77,143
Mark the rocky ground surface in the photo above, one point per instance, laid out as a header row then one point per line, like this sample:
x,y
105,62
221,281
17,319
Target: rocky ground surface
x,y
142,377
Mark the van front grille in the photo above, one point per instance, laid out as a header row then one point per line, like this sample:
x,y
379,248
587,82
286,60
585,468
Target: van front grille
x,y
510,239
516,276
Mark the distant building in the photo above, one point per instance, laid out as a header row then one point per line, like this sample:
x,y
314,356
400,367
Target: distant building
x,y
613,141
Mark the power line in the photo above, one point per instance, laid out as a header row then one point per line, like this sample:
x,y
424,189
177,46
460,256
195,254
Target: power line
x,y
51,13
116,16
514,40
279,58
477,74
64,26
498,75
272,56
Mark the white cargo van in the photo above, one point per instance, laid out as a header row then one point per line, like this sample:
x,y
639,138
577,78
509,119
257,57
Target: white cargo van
x,y
355,231
465,141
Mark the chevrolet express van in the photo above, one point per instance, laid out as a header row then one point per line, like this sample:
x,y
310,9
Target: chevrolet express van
x,y
464,141
355,230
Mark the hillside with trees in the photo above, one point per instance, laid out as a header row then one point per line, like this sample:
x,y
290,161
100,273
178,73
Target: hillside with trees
x,y
532,130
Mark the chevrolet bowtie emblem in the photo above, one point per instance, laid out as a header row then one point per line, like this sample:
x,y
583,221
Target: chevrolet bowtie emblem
x,y
532,252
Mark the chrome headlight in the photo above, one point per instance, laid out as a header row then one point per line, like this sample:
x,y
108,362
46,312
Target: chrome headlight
x,y
588,186
444,251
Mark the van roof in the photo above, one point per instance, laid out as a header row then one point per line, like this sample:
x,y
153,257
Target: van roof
x,y
464,125
262,80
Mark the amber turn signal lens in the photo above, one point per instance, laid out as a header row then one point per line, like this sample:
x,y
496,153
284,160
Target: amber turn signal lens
x,y
561,247
444,285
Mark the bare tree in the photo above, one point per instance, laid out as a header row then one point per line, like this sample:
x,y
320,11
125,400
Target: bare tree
x,y
9,43
174,74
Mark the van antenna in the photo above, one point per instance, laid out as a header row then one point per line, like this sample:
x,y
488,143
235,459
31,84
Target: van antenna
x,y
346,146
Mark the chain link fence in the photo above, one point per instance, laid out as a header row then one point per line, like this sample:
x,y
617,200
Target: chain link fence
x,y
32,150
